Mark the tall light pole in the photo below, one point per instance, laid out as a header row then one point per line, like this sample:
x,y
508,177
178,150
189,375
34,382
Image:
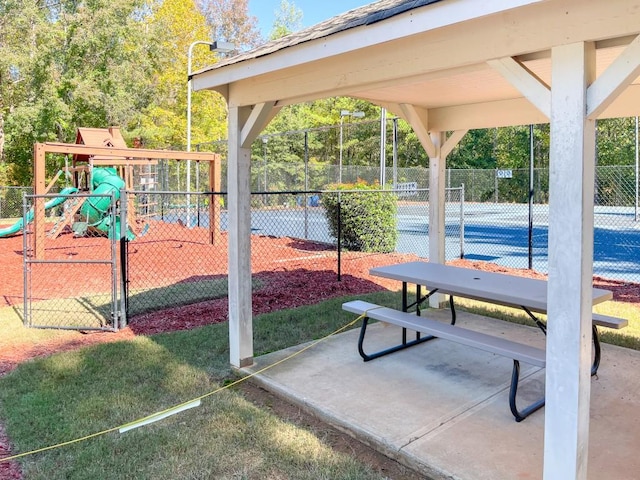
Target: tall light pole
x,y
345,113
218,47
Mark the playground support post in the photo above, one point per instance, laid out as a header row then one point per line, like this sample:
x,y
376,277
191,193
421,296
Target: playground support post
x,y
39,188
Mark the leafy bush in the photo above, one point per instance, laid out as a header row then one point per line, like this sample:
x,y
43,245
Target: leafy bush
x,y
369,216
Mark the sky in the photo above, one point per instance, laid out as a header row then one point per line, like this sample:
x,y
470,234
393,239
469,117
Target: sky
x,y
314,11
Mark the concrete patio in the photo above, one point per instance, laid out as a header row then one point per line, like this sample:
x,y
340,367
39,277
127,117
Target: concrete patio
x,y
443,410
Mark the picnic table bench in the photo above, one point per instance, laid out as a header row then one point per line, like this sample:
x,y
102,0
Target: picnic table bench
x,y
518,352
526,293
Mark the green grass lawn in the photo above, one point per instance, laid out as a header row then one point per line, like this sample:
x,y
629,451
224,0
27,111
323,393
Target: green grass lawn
x,y
70,395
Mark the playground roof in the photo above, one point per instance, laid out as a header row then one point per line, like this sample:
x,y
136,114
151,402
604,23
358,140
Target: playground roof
x,y
98,137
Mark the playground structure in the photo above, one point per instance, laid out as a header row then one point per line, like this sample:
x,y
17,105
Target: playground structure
x,y
102,165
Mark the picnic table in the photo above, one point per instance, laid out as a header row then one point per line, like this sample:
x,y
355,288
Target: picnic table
x,y
528,294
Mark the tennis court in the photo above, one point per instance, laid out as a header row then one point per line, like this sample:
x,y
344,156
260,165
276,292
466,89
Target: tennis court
x,y
492,232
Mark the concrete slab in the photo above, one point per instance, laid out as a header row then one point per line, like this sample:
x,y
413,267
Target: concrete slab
x,y
442,408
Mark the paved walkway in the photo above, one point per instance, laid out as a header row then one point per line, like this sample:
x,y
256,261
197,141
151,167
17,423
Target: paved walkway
x,y
443,409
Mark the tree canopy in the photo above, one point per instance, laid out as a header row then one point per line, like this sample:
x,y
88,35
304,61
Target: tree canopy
x,y
66,64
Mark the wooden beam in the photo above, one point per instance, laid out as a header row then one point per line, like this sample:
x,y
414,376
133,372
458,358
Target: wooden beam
x,y
417,117
532,87
129,161
518,111
144,153
239,241
259,118
451,142
614,80
39,169
437,227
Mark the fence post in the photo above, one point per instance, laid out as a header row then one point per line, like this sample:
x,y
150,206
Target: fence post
x,y
531,185
339,237
462,220
25,257
306,184
637,171
124,293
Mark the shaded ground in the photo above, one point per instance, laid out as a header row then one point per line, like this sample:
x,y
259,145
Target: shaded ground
x,y
292,274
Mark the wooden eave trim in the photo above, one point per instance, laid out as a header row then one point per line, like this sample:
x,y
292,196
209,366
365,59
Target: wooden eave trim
x,y
454,47
412,22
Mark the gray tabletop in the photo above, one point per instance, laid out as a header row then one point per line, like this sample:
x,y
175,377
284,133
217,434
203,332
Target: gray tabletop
x,y
499,288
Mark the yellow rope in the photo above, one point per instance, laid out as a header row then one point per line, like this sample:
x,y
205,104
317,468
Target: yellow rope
x,y
177,407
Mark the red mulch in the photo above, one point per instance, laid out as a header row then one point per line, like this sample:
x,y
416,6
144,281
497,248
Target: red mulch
x,y
292,273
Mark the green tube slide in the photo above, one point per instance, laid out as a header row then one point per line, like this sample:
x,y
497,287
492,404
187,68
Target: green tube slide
x,y
105,182
96,209
54,202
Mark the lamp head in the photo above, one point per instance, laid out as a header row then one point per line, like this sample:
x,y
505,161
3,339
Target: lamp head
x,y
221,47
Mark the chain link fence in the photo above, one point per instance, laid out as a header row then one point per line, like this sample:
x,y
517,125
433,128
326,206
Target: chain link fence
x,y
492,218
11,201
175,253
175,259
70,249
179,254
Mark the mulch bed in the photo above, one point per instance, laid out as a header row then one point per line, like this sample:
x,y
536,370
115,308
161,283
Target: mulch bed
x,y
292,273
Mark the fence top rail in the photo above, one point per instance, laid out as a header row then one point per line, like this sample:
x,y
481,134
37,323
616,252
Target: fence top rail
x,y
277,192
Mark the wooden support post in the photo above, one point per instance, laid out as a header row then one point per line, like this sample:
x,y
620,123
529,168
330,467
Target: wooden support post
x,y
39,188
571,186
239,197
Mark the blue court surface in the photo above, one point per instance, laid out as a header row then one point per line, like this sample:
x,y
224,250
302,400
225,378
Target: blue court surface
x,y
497,233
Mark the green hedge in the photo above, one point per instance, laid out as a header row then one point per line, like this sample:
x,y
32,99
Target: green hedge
x,y
369,216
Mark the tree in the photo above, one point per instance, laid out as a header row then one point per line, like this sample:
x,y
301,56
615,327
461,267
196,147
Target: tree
x,y
475,150
19,23
176,24
85,65
230,21
616,141
288,20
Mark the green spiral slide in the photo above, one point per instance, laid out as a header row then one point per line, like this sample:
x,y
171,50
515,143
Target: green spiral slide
x,y
94,209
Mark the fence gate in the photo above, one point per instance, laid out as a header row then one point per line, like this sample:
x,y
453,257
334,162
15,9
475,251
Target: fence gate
x,y
71,278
